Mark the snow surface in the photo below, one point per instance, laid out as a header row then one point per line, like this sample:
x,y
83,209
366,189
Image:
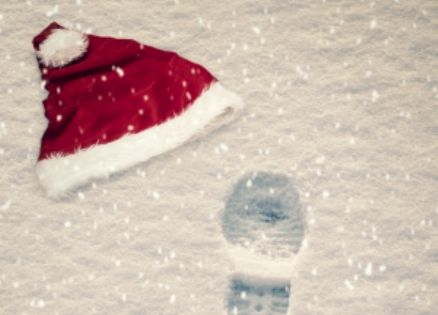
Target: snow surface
x,y
341,97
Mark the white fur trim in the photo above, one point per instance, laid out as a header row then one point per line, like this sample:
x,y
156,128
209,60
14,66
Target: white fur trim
x,y
62,47
215,107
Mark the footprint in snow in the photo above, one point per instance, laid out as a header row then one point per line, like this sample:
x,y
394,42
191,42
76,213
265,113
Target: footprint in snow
x,y
264,225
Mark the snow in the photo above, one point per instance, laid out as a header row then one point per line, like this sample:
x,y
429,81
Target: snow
x,y
369,269
5,206
119,71
355,111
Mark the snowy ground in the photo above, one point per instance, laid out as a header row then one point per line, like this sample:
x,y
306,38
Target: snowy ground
x,y
341,97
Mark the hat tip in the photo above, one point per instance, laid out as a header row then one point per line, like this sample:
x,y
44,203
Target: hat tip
x,y
62,46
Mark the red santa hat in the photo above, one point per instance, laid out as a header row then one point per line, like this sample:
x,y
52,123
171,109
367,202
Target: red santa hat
x,y
113,103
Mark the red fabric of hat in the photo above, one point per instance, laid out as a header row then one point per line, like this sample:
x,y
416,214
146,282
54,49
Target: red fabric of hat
x,y
113,103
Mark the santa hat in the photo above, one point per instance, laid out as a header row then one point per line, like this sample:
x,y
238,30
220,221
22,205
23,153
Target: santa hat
x,y
113,103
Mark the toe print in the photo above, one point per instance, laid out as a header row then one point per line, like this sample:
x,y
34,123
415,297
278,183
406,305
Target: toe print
x,y
263,213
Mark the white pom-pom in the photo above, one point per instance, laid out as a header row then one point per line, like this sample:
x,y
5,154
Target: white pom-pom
x,y
62,47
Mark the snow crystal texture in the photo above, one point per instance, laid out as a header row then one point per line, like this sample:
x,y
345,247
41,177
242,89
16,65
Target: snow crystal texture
x,y
341,97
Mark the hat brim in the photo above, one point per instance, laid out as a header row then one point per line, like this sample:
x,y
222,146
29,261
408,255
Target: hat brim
x,y
214,107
